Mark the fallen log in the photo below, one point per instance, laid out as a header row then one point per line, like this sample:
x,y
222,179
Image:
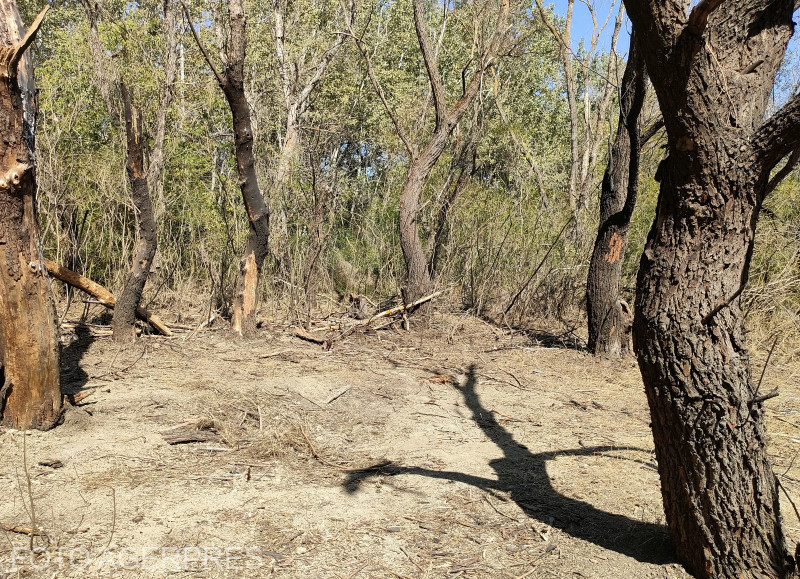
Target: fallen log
x,y
380,315
101,294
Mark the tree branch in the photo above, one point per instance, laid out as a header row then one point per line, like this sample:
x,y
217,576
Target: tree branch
x,y
23,44
327,57
791,164
698,18
779,135
431,65
220,79
381,94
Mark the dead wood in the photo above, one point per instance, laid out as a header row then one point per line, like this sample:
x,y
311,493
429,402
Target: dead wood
x,y
21,530
191,431
101,294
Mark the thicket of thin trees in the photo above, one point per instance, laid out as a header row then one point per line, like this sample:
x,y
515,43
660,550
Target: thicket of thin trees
x,y
260,156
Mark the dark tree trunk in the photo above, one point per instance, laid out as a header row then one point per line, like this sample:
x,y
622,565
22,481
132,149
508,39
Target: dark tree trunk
x,y
713,73
609,317
245,298
124,320
30,389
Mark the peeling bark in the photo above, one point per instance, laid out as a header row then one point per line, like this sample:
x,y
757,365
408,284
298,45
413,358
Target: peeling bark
x,y
30,396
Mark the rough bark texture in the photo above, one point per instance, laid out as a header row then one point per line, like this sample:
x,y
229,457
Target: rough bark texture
x,y
124,321
713,72
245,298
609,317
30,391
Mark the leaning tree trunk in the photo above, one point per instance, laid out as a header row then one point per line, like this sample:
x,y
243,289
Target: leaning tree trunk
x,y
30,395
713,72
246,294
231,81
609,317
124,321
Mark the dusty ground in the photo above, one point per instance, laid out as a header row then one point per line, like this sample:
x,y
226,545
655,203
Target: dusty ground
x,y
492,456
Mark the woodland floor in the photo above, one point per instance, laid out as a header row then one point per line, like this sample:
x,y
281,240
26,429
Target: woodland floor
x,y
501,457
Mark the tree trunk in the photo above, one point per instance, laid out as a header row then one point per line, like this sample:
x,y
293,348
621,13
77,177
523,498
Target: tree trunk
x,y
30,395
322,195
609,317
419,281
124,320
713,73
245,298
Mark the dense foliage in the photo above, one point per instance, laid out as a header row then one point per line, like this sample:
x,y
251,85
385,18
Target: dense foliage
x,y
513,243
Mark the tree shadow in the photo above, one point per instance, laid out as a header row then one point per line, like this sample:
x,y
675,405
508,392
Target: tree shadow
x,y
73,377
523,475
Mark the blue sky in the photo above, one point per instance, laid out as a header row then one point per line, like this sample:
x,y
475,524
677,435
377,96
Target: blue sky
x,y
582,22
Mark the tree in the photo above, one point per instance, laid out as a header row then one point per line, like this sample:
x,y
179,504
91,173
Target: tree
x,y
143,182
419,280
124,321
300,72
588,119
713,69
30,395
231,81
610,317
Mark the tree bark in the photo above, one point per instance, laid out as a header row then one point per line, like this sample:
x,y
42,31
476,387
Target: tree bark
x,y
609,317
124,320
245,298
30,395
713,73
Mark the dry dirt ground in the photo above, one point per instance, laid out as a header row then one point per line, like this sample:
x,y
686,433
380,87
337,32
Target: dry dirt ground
x,y
460,451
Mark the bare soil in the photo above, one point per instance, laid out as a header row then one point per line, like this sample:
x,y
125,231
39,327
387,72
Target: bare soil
x,y
460,451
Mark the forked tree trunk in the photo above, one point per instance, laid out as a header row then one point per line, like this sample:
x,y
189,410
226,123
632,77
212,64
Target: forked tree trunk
x,y
30,392
713,72
124,320
609,317
419,282
245,298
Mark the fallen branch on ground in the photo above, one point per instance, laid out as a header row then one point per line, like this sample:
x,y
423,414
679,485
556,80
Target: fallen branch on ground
x,y
383,314
100,293
21,530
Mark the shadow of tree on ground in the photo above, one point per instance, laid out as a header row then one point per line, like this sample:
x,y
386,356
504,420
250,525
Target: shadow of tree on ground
x,y
523,475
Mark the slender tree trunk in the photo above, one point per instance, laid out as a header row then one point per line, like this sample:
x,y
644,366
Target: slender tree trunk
x,y
281,193
30,392
245,298
124,320
322,194
609,317
713,71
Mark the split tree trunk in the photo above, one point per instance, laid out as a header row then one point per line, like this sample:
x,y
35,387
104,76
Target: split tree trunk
x,y
30,395
245,298
609,317
124,320
713,72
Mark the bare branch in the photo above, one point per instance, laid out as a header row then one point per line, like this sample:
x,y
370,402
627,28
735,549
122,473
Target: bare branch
x,y
220,79
651,132
376,84
23,44
698,18
431,64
